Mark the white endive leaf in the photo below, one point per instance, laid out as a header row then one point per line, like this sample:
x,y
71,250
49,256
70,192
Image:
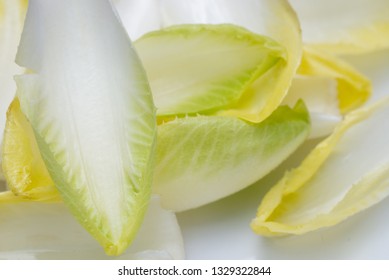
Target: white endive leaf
x,y
205,158
11,24
90,107
347,26
345,174
197,67
33,230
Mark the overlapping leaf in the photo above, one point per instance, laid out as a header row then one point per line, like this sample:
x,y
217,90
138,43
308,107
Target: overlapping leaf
x,y
89,104
202,159
344,174
204,68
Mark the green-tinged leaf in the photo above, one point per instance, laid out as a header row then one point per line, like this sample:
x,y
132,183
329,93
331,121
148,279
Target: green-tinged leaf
x,y
272,18
195,68
345,174
347,26
89,104
202,159
33,230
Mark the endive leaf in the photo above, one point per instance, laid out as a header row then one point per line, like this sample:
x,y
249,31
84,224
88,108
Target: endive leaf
x,y
195,68
272,18
330,87
344,174
33,230
347,26
11,24
205,158
90,107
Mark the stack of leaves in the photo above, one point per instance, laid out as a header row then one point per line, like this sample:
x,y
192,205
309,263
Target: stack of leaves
x,y
236,89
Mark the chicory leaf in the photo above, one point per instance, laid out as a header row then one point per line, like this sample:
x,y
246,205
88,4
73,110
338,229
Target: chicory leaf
x,y
205,158
343,175
87,99
196,68
272,18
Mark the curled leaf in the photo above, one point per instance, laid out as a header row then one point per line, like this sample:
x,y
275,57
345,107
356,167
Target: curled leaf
x,y
196,68
272,18
345,174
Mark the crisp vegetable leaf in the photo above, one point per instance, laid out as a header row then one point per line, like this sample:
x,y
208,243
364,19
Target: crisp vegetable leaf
x,y
11,24
343,175
347,26
195,68
202,159
272,18
88,101
330,87
33,230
